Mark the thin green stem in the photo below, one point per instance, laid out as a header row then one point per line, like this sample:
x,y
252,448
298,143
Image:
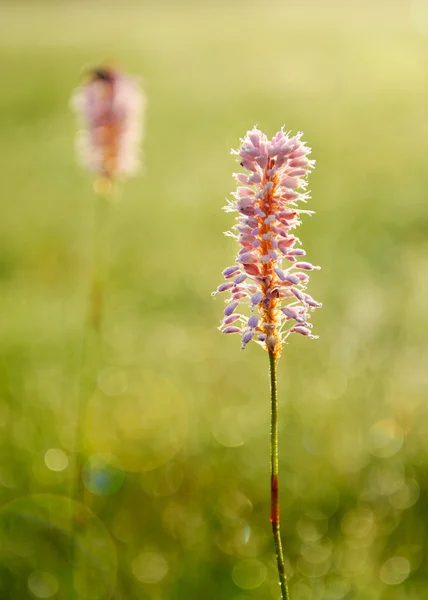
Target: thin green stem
x,y
89,361
274,468
89,354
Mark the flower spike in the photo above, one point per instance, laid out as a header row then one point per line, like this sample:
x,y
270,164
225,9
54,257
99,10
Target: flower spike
x,y
268,200
109,104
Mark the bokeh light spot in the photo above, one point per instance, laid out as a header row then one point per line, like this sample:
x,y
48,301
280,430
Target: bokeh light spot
x,y
358,523
249,574
395,570
385,438
42,584
406,496
103,475
56,459
112,381
302,591
149,567
87,583
228,427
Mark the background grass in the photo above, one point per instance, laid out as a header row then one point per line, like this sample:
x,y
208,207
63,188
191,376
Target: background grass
x,y
176,419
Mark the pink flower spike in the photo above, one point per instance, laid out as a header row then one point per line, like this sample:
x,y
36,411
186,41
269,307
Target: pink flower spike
x,y
110,106
265,203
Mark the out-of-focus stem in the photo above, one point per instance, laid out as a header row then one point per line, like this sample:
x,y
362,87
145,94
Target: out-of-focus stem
x,y
274,511
90,352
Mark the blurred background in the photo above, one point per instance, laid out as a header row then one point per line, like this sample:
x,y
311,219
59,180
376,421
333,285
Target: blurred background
x,y
174,417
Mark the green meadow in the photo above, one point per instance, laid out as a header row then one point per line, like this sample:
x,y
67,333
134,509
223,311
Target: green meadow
x,y
171,418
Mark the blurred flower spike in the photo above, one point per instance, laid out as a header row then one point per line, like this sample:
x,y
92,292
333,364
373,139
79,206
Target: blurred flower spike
x,y
110,106
268,201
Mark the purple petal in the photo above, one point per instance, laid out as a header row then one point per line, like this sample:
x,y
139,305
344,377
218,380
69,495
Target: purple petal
x,y
225,286
292,279
306,266
231,319
256,298
240,278
280,274
312,302
300,329
247,337
297,252
289,312
230,308
230,271
253,321
299,295
231,330
248,258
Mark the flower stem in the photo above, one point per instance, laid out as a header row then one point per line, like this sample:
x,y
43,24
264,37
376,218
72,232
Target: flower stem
x,y
274,511
89,360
